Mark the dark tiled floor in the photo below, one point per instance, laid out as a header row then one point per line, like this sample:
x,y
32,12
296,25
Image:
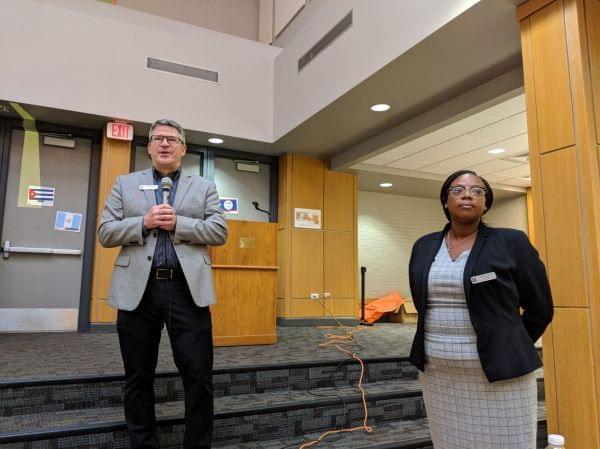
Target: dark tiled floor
x,y
43,355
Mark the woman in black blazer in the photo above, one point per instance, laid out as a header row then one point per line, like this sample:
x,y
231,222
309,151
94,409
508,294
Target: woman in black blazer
x,y
475,349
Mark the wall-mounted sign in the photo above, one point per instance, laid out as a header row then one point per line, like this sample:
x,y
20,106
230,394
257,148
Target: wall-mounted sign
x,y
40,196
229,205
307,218
67,221
119,131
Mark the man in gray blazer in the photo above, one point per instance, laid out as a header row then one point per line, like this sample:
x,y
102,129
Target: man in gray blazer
x,y
163,276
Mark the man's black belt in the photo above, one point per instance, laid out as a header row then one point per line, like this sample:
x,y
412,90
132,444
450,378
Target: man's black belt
x,y
163,274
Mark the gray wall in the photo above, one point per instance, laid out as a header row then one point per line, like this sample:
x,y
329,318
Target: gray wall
x,y
190,162
246,187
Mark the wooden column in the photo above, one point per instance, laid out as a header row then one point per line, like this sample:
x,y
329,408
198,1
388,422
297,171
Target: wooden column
x,y
561,58
115,161
322,261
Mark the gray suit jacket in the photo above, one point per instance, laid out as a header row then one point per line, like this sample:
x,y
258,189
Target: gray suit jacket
x,y
200,222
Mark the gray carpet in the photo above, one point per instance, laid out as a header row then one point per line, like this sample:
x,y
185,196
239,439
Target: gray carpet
x,y
43,355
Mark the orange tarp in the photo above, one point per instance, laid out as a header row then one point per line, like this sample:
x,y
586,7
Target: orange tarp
x,y
389,303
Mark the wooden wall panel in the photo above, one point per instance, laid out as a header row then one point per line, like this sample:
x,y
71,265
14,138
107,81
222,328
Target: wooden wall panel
x,y
537,201
307,263
574,378
248,243
302,308
551,77
343,307
568,180
592,10
578,46
245,308
530,217
528,8
338,201
562,216
115,161
339,274
285,191
283,262
307,182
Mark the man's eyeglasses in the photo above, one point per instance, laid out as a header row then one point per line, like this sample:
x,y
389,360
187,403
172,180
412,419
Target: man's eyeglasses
x,y
458,191
171,140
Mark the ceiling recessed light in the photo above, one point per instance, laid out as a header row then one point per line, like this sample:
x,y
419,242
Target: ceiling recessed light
x,y
497,151
386,184
216,140
381,107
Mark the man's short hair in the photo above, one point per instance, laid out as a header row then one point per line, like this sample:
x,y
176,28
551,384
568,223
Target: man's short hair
x,y
168,122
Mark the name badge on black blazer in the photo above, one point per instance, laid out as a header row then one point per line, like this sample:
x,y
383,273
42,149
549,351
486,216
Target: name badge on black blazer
x,y
483,277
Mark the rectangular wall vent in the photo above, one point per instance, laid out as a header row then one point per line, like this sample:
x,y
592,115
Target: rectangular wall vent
x,y
183,70
326,40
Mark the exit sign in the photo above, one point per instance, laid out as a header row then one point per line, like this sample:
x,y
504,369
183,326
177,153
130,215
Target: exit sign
x,y
119,131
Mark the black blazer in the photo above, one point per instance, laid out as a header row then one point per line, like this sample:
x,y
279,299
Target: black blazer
x,y
505,339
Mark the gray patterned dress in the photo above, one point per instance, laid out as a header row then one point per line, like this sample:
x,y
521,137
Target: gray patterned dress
x,y
464,409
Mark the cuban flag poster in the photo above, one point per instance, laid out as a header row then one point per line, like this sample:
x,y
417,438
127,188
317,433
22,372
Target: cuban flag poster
x,y
40,196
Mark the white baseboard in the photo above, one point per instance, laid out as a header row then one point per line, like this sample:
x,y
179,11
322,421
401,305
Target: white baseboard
x,y
38,320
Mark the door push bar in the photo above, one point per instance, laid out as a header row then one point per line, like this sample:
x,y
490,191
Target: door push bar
x,y
7,249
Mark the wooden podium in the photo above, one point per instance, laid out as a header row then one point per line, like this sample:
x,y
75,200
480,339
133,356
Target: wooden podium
x,y
245,272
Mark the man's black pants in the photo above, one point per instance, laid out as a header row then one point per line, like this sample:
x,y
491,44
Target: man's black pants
x,y
167,302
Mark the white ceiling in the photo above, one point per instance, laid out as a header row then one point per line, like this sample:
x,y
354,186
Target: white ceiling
x,y
464,145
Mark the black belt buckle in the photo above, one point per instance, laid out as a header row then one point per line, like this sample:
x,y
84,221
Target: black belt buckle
x,y
163,273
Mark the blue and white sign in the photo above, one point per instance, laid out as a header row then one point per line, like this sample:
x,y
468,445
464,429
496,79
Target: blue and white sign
x,y
229,205
67,221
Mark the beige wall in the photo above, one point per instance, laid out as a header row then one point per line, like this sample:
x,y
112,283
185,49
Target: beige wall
x,y
235,17
101,67
388,225
378,35
508,213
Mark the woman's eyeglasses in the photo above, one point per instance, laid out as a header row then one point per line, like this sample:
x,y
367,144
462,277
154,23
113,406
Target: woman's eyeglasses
x,y
458,191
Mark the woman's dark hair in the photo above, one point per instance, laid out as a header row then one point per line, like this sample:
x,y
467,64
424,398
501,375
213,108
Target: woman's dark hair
x,y
489,194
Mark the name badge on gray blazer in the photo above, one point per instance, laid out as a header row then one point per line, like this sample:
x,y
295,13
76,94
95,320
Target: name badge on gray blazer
x,y
483,277
148,187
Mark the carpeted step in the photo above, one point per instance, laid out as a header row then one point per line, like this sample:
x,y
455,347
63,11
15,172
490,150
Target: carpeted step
x,y
409,434
83,392
238,418
240,421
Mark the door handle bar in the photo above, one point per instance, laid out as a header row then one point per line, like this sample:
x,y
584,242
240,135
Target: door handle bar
x,y
7,249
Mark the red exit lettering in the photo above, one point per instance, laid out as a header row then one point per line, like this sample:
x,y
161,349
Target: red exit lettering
x,y
119,131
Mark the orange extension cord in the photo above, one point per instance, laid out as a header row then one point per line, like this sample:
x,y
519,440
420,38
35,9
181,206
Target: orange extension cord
x,y
335,341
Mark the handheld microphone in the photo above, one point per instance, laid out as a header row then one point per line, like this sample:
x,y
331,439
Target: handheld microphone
x,y
165,185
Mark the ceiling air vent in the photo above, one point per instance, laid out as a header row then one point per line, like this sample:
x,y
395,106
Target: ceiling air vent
x,y
183,70
325,41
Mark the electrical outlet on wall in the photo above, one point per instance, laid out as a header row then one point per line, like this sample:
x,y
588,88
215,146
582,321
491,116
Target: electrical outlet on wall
x,y
314,296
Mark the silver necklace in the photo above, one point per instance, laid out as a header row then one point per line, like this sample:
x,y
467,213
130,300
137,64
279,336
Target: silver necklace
x,y
458,242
